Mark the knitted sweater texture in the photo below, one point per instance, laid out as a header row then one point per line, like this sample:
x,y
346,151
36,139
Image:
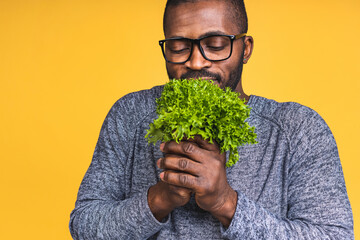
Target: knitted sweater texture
x,y
290,184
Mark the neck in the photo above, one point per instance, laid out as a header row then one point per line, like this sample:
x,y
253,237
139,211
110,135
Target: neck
x,y
240,90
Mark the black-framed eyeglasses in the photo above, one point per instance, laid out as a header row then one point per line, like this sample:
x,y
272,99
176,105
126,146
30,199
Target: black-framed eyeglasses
x,y
212,48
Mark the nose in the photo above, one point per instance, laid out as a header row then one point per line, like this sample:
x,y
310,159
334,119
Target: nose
x,y
197,60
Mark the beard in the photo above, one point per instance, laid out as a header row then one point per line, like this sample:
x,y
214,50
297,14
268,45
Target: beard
x,y
232,82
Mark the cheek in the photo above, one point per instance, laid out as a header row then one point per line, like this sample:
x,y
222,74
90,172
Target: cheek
x,y
174,70
232,64
226,68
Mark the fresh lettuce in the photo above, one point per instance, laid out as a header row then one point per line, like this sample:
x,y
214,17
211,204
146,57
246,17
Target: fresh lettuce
x,y
197,107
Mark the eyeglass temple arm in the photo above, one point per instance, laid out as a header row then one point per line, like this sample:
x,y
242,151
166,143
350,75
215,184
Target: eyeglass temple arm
x,y
240,35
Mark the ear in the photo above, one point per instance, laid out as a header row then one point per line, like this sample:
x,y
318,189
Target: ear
x,y
248,48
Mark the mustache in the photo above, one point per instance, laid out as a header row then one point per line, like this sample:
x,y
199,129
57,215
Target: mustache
x,y
201,74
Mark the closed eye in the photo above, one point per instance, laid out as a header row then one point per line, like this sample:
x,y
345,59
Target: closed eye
x,y
214,48
184,50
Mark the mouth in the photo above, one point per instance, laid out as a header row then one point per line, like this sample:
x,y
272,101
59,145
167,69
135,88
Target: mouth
x,y
208,78
215,81
204,75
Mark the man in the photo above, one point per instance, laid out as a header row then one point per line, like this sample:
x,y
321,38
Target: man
x,y
288,186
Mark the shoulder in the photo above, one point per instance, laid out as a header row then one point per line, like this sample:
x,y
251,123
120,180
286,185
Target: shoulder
x,y
139,101
137,104
132,109
297,121
286,115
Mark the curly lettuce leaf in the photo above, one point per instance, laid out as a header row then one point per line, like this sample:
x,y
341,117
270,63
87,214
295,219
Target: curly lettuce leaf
x,y
197,107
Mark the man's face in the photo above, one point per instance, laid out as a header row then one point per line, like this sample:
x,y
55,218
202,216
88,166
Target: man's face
x,y
195,20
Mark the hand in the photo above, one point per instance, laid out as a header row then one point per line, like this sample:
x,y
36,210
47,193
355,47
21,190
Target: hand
x,y
198,165
163,198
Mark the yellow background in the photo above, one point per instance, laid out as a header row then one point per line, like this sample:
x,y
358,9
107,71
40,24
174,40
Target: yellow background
x,y
64,63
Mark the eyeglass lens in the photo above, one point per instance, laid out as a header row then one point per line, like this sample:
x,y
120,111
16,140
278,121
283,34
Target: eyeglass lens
x,y
214,47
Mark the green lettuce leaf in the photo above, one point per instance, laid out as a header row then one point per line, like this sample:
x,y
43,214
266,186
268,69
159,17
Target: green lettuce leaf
x,y
197,107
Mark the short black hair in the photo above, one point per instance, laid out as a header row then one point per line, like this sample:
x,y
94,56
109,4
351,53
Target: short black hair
x,y
237,11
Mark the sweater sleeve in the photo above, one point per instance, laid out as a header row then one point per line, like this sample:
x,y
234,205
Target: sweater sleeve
x,y
102,211
318,206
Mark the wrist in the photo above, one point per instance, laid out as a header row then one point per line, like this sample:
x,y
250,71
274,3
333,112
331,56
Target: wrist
x,y
226,212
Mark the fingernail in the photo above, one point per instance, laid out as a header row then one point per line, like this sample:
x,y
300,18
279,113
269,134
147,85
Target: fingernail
x,y
162,146
162,175
159,162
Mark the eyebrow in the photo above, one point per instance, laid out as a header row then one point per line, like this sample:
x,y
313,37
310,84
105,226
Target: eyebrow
x,y
210,33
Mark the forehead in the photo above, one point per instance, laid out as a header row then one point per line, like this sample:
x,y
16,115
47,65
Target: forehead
x,y
194,20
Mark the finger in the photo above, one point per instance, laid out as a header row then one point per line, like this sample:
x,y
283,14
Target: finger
x,y
213,148
182,191
187,149
179,179
174,188
206,144
179,163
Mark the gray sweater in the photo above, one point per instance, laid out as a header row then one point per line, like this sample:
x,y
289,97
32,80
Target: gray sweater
x,y
290,185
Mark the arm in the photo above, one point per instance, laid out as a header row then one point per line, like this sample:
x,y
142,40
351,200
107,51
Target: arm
x,y
318,206
102,210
